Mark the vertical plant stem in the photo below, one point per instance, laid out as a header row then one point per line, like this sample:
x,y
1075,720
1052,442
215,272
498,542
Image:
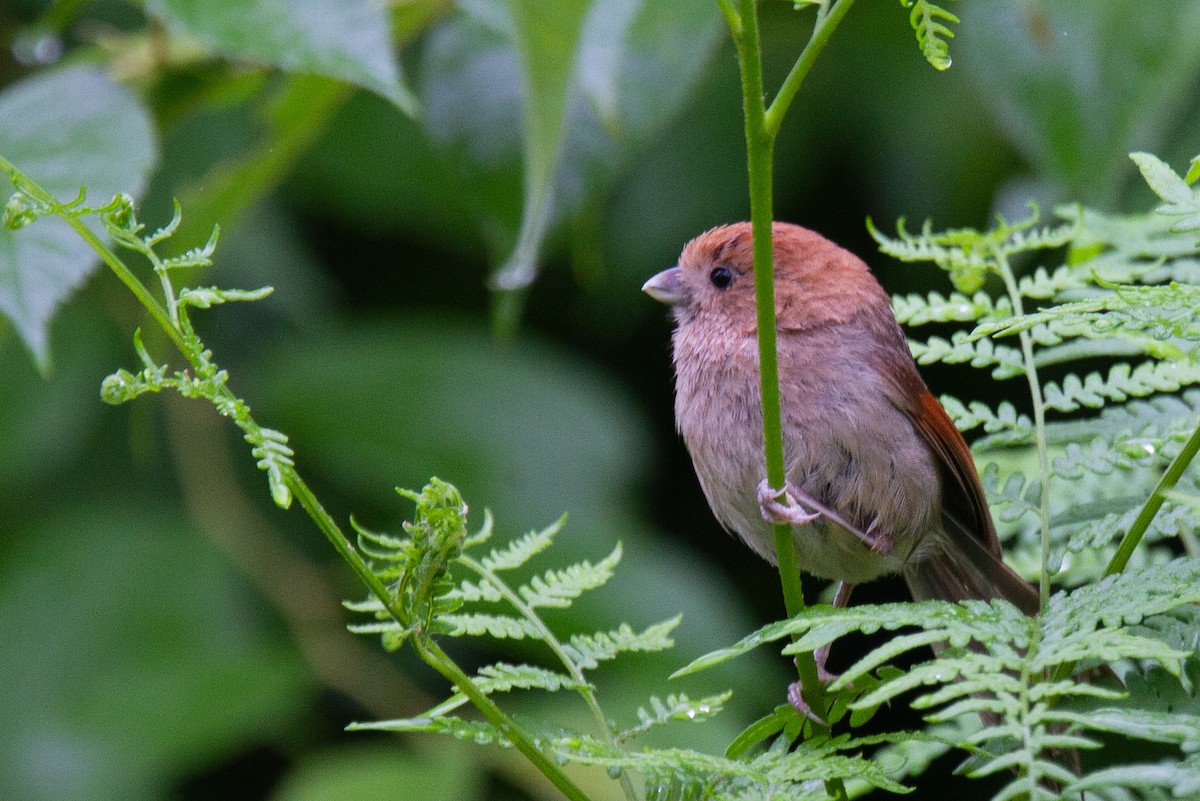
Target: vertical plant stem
x,y
1150,508
1039,423
760,149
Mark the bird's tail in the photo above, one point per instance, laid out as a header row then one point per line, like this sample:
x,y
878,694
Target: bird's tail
x,y
963,569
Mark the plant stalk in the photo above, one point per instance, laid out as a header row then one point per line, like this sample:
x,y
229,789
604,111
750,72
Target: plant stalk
x,y
1039,423
760,134
1150,508
428,650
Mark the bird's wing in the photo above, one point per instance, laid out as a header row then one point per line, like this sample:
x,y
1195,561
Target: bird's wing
x,y
962,493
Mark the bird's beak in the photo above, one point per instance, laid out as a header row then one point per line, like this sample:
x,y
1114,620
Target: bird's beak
x,y
667,287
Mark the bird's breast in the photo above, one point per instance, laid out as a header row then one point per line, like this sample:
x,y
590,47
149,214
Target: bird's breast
x,y
846,445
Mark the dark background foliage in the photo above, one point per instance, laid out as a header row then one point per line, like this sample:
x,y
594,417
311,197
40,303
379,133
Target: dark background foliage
x,y
169,634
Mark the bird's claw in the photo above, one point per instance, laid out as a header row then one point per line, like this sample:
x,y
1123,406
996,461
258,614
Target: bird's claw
x,y
795,696
795,693
787,511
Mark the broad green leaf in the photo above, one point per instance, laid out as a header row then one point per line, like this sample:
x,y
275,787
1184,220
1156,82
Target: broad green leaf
x,y
349,40
546,36
65,128
580,77
132,652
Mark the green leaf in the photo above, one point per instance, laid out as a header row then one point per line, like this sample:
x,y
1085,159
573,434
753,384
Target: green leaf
x,y
675,708
584,104
929,22
64,128
558,588
546,37
587,651
349,40
1162,179
522,549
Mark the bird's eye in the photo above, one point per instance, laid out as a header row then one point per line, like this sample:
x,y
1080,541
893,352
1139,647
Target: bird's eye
x,y
721,277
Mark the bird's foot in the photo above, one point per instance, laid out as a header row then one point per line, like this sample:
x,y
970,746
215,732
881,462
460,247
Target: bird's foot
x,y
781,506
795,696
795,693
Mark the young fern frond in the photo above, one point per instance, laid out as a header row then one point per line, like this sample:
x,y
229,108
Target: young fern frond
x,y
675,707
990,658
931,24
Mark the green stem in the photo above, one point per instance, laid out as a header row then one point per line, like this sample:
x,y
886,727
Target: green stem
x,y
731,17
1039,422
191,349
1150,508
436,658
760,147
825,25
123,273
548,637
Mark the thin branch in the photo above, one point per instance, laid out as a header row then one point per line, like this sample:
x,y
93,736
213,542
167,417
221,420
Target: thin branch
x,y
823,28
1150,508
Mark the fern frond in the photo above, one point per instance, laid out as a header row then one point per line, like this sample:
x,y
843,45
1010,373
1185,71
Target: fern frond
x,y
471,731
1138,428
503,677
470,592
913,309
1044,285
589,650
1100,348
1172,521
1007,361
1178,778
1013,498
558,588
522,549
929,22
1008,426
970,255
683,773
1181,201
476,624
1121,383
1164,313
675,708
993,659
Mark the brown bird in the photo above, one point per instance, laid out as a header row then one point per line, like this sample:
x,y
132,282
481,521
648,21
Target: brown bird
x,y
879,479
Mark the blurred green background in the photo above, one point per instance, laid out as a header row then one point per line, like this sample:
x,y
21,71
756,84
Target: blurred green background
x,y
167,633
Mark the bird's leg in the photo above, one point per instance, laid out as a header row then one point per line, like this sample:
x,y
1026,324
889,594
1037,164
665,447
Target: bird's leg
x,y
795,694
787,511
794,510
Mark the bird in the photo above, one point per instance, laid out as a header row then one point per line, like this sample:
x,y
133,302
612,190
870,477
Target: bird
x,y
879,480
